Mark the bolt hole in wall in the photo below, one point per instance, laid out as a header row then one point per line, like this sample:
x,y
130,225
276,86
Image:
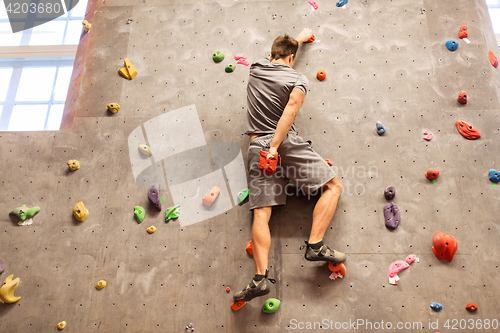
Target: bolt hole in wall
x,y
33,82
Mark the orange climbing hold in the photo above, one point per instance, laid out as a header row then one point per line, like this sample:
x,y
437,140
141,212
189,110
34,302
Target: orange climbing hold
x,y
493,59
321,75
471,307
249,248
431,174
467,130
209,199
462,97
463,32
238,305
328,161
312,39
337,268
444,246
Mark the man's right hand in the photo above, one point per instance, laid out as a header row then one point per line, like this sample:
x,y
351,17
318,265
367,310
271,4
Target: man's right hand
x,y
304,35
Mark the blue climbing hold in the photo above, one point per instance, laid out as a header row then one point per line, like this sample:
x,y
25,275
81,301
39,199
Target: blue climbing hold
x,y
452,45
494,176
380,128
341,3
436,306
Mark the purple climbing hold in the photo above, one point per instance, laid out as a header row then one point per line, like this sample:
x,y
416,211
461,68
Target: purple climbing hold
x,y
389,193
154,195
391,215
2,266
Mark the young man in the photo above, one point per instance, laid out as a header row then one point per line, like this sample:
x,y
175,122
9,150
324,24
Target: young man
x,y
275,94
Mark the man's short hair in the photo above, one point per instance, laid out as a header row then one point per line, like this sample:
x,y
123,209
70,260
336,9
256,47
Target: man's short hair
x,y
283,46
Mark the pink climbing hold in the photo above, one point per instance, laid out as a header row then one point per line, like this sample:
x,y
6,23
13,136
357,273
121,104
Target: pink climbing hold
x,y
314,4
228,289
238,57
411,258
243,62
428,136
394,269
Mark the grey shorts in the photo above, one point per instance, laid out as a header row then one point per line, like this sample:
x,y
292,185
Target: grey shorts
x,y
300,164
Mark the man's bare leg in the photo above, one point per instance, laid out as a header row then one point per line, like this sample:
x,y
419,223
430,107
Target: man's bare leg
x,y
261,238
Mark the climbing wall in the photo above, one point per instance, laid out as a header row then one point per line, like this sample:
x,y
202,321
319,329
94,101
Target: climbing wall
x,y
384,60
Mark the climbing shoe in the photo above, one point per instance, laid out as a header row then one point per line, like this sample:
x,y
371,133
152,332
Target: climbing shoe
x,y
254,289
324,254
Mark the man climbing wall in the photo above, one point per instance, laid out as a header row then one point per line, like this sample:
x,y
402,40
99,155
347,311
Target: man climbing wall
x,y
275,94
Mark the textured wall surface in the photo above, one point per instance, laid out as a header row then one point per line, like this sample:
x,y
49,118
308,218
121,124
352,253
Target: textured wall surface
x,y
385,60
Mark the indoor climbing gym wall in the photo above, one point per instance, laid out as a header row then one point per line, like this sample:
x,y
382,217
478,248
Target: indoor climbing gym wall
x,y
110,224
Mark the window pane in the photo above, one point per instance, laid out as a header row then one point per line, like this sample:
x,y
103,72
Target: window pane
x,y
80,9
3,13
74,32
492,2
5,74
50,33
62,83
7,38
495,19
36,84
1,107
28,118
55,117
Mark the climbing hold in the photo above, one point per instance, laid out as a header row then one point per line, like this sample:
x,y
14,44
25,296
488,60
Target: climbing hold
x,y
321,75
61,325
389,193
432,174
237,305
151,229
139,213
444,246
228,289
428,136
243,195
101,284
80,212
113,107
73,165
128,71
452,45
218,56
494,176
467,130
341,3
146,150
271,305
411,258
269,163
471,307
338,270
493,59
312,39
394,269
462,97
391,215
86,25
8,288
314,4
154,195
328,161
23,213
190,327
230,68
463,32
238,57
210,197
436,306
172,213
2,266
243,62
380,128
129,20
249,248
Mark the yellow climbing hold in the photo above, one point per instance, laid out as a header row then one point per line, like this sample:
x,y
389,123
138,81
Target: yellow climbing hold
x,y
7,290
86,25
113,107
151,229
146,150
80,212
128,71
61,325
101,284
73,165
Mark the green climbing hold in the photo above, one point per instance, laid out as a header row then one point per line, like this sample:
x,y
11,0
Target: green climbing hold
x,y
218,56
230,68
24,213
162,200
139,213
172,213
271,305
243,195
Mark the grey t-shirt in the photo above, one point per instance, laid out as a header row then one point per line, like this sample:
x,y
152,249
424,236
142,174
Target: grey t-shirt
x,y
268,92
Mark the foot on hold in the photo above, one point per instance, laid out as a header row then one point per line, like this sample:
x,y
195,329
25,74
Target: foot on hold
x,y
462,97
391,215
172,213
324,253
254,289
23,213
452,45
494,176
154,196
493,59
380,128
467,130
271,305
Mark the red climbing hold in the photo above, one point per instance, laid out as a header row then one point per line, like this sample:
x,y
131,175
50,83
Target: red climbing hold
x,y
314,4
432,174
268,165
321,75
493,59
338,270
237,305
467,130
312,39
463,32
249,248
328,161
471,307
462,97
428,136
444,246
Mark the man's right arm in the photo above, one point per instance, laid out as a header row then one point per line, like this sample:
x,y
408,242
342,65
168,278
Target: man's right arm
x,y
304,36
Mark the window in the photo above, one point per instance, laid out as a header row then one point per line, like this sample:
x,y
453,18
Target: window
x,y
494,10
35,70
